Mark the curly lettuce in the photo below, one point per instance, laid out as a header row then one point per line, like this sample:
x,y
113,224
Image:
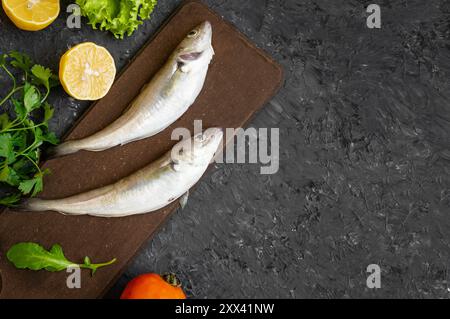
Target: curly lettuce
x,y
117,16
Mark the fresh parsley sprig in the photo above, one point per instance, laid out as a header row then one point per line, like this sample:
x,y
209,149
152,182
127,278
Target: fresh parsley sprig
x,y
24,118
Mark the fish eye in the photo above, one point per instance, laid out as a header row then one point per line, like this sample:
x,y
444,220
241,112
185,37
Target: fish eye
x,y
193,33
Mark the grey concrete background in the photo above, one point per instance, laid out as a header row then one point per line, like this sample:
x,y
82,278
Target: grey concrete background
x,y
364,128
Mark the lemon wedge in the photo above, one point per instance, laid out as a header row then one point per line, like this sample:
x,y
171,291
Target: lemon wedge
x,y
87,71
31,15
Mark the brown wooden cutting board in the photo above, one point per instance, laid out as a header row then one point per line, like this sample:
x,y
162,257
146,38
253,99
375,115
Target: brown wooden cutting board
x,y
240,81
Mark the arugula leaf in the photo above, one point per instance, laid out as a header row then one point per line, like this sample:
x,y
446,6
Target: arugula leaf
x,y
35,257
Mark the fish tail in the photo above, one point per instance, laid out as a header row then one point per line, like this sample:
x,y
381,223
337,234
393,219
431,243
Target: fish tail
x,y
65,148
43,205
32,204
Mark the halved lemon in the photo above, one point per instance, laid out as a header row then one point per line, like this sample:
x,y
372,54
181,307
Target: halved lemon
x,y
31,15
87,71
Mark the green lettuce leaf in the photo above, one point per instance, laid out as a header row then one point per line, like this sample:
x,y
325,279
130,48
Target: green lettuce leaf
x,y
117,16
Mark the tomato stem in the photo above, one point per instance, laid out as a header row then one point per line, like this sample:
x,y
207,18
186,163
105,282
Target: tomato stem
x,y
171,279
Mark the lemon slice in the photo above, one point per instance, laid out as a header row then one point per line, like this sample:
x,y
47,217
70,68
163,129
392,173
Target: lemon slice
x,y
31,15
87,71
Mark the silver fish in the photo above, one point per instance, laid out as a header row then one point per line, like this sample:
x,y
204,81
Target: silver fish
x,y
161,102
148,189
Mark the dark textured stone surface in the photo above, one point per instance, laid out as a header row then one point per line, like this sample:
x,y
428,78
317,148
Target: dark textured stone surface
x,y
364,119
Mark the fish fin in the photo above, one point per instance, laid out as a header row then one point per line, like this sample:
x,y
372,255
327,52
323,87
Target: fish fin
x,y
170,86
62,149
184,200
51,152
28,204
22,205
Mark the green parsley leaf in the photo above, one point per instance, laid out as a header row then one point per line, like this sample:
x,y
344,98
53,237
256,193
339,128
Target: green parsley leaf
x,y
3,58
4,121
10,200
51,138
23,133
35,185
6,147
48,112
9,176
21,61
19,108
31,99
42,75
27,186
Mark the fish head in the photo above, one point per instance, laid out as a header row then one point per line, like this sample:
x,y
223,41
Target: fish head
x,y
199,150
196,48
